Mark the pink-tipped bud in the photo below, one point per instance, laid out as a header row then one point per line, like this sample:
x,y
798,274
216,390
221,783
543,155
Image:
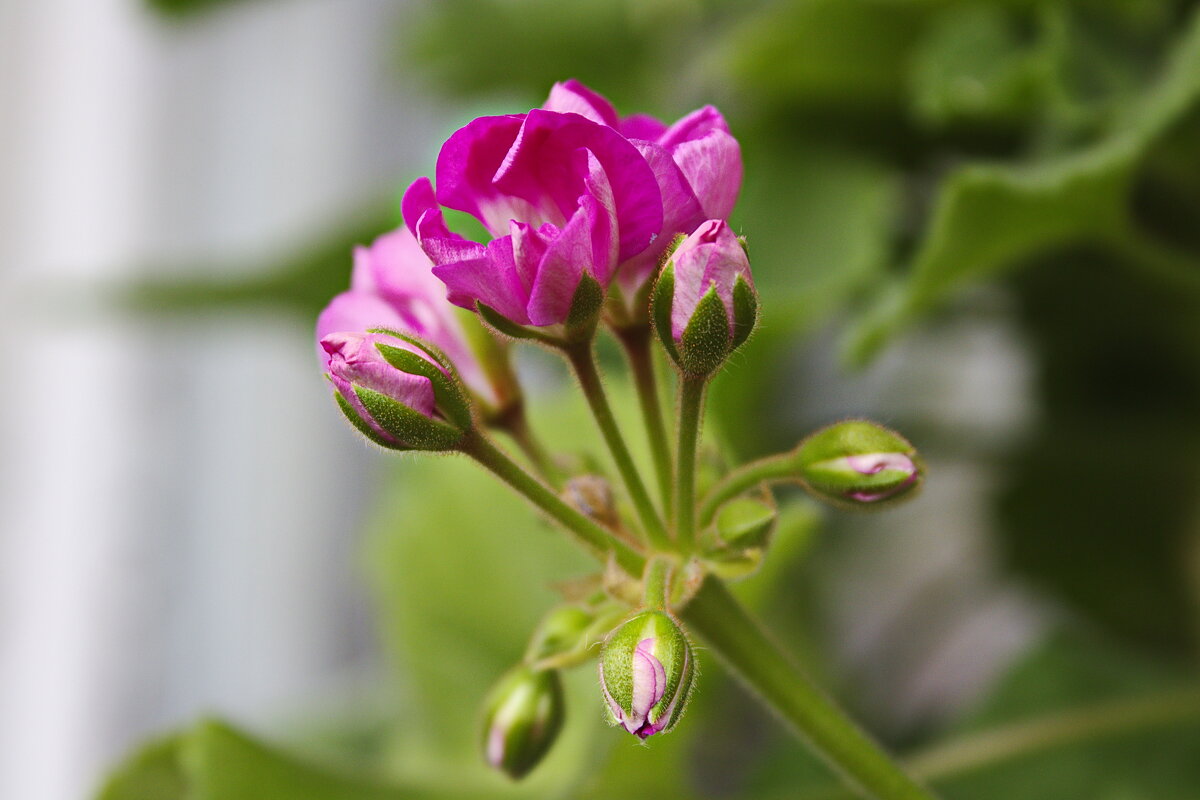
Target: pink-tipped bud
x,y
646,672
704,302
859,463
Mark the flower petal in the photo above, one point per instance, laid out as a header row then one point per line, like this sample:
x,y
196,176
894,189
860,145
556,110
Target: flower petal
x,y
572,97
466,169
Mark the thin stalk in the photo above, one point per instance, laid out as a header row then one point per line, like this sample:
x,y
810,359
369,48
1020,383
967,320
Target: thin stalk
x,y
656,582
583,362
772,468
737,640
691,409
598,541
636,342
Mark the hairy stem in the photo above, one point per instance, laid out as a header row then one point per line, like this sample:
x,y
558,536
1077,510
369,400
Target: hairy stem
x,y
596,539
772,468
583,362
691,410
636,342
738,640
656,582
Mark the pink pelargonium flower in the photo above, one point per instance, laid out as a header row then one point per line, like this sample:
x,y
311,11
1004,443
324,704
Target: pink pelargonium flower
x,y
696,161
392,286
561,194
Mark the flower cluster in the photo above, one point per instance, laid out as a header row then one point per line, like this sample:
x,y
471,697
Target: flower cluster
x,y
593,220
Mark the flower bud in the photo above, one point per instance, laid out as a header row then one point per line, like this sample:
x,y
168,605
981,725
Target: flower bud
x,y
705,305
592,496
858,463
395,391
646,671
523,715
562,637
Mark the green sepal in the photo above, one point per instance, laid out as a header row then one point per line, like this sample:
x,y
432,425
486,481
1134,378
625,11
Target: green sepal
x,y
850,437
435,353
449,396
660,308
745,310
505,326
745,522
734,565
362,425
586,304
414,429
704,345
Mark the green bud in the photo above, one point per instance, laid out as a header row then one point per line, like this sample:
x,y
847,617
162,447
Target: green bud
x,y
646,672
523,715
745,523
858,463
563,638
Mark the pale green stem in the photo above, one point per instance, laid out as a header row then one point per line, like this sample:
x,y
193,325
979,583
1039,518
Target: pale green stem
x,y
736,639
599,541
779,467
636,342
583,362
656,582
691,410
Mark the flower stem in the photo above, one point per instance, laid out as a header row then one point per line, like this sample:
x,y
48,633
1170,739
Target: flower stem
x,y
656,582
636,342
737,640
598,541
691,408
583,362
772,468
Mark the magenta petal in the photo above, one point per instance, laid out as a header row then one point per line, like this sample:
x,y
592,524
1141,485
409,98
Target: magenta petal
x,y
572,97
355,312
566,257
873,463
649,683
551,160
467,164
491,279
713,166
681,214
695,125
642,126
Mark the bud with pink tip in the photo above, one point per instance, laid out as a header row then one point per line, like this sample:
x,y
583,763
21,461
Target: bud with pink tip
x,y
705,305
646,672
858,463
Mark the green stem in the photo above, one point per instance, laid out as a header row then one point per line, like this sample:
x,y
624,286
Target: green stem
x,y
737,639
583,362
772,468
656,582
691,408
598,541
636,342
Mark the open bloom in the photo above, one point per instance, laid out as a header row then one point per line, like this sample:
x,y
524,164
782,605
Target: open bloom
x,y
563,196
696,162
646,671
392,286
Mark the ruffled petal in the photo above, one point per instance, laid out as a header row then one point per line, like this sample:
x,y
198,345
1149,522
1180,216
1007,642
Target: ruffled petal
x,y
572,97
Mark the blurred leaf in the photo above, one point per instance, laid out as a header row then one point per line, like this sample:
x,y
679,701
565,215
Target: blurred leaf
x,y
990,218
213,761
1073,672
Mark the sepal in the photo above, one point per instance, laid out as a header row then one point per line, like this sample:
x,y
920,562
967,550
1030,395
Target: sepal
x,y
415,430
705,343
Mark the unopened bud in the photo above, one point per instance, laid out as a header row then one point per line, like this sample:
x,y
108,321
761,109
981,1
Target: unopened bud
x,y
646,671
524,713
859,463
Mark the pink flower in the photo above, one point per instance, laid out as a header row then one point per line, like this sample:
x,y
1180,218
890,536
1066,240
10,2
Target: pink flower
x,y
696,162
393,286
562,195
